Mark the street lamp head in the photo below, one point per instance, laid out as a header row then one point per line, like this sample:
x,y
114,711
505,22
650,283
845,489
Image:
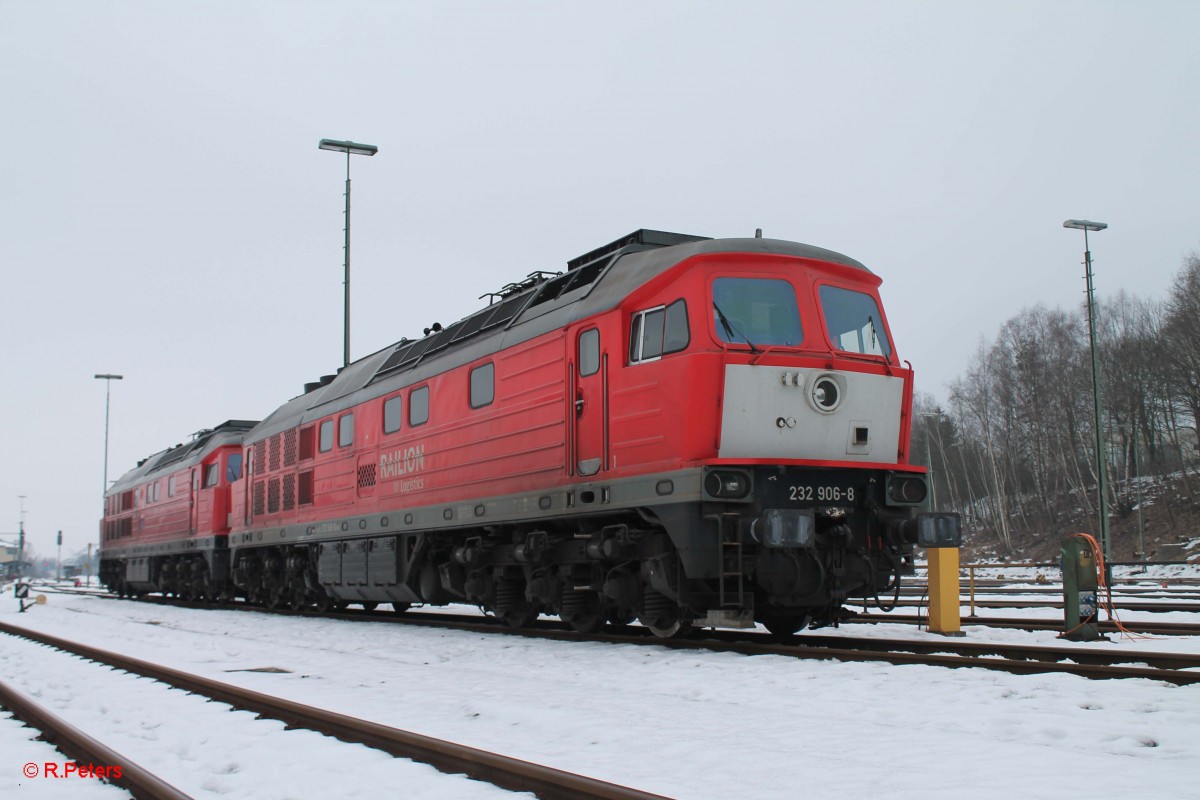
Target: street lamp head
x,y
352,148
1085,225
109,377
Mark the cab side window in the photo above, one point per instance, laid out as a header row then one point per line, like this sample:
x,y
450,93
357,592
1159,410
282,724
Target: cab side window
x,y
656,332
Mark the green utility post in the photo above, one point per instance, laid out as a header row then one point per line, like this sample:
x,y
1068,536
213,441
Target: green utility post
x,y
1080,591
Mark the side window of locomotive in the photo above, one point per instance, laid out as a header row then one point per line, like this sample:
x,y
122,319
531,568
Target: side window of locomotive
x,y
418,406
483,385
326,443
233,468
392,413
853,321
171,486
756,311
658,331
676,336
589,352
211,473
346,430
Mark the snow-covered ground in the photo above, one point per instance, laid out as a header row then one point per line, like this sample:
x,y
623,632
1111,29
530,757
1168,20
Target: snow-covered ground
x,y
679,723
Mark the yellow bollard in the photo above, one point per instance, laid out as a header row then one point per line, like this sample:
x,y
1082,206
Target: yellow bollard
x,y
944,592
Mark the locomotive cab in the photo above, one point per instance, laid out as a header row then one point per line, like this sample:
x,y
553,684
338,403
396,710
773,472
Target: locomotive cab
x,y
807,498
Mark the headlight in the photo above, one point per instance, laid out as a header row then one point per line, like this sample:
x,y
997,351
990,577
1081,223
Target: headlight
x,y
826,393
906,490
727,484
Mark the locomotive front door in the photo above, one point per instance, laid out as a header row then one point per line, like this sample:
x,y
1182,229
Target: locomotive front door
x,y
193,485
590,420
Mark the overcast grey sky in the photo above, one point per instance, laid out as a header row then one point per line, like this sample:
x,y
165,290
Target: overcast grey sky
x,y
166,213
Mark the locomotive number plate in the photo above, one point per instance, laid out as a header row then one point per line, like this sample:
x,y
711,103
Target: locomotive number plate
x,y
821,494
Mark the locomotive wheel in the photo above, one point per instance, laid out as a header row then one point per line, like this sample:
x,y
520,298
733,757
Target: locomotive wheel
x,y
325,603
277,597
676,629
298,596
620,617
199,587
370,606
785,625
400,608
589,622
520,617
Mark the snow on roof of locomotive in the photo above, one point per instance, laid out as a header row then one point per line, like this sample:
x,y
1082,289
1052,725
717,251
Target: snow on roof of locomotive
x,y
594,282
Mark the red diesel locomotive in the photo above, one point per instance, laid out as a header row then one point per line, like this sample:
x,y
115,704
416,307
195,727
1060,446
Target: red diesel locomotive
x,y
678,430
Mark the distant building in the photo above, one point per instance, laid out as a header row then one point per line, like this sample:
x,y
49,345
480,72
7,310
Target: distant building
x,y
8,560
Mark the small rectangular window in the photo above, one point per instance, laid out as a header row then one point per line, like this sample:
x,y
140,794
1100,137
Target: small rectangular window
x,y
304,488
589,352
346,430
211,473
233,468
392,408
418,406
326,436
171,486
483,385
307,442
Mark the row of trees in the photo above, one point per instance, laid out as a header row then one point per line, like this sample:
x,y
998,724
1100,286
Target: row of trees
x,y
1013,448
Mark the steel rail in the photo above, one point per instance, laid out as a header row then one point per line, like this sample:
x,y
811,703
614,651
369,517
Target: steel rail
x,y
71,741
1018,623
450,757
1157,608
1019,659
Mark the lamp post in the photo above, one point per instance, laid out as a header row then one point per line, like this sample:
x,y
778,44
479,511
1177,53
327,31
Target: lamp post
x,y
929,459
1101,467
349,148
21,539
108,379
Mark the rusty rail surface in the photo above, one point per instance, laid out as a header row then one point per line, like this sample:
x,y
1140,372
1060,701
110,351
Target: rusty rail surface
x,y
138,781
450,757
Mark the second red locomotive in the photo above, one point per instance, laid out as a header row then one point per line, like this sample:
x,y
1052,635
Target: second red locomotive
x,y
678,430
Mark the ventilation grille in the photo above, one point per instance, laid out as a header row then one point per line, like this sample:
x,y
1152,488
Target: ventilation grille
x,y
274,465
366,475
289,492
289,448
260,497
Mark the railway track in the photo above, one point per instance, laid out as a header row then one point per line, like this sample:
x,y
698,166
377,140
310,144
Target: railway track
x,y
1012,658
508,773
1018,623
138,781
1120,605
1179,669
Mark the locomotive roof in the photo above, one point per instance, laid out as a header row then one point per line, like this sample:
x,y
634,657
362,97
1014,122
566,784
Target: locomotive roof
x,y
182,455
594,282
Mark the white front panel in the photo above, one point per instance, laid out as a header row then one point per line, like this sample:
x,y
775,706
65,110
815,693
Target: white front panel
x,y
770,412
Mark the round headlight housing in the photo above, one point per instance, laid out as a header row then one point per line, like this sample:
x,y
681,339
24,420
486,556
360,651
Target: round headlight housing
x,y
827,392
727,484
